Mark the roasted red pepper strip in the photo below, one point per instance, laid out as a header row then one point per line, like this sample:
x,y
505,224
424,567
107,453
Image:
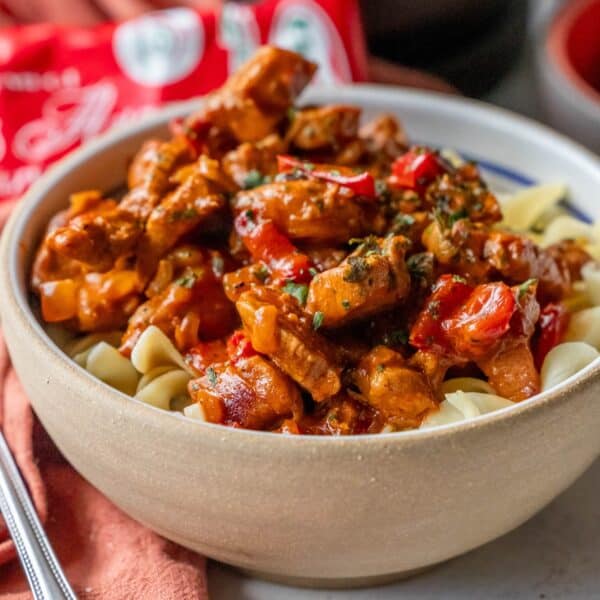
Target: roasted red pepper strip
x,y
552,326
461,320
362,184
239,346
415,170
267,244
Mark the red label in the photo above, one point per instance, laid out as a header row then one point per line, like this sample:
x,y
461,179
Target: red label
x,y
60,86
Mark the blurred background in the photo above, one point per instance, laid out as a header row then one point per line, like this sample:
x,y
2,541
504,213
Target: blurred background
x,y
537,57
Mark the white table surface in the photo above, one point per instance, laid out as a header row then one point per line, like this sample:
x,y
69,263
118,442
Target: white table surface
x,y
554,555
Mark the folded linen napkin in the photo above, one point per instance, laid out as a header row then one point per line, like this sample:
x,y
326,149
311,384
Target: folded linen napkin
x,y
106,555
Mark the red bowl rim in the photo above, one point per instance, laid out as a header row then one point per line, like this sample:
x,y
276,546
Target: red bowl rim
x,y
556,45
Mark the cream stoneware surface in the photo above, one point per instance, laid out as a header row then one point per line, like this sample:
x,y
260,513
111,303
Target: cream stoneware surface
x,y
310,510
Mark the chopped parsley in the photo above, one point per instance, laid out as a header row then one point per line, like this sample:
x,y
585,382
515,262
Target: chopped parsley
x,y
261,273
524,287
187,281
457,216
420,265
183,215
313,272
253,179
317,320
380,368
249,214
357,269
346,304
298,290
212,376
396,337
403,222
458,279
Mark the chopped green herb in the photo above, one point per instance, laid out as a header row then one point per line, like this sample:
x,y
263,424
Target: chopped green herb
x,y
212,376
253,179
357,269
320,204
298,290
317,320
380,368
335,172
396,337
261,273
381,187
249,215
187,281
183,215
458,279
457,216
420,265
403,222
313,272
291,114
346,304
524,287
308,166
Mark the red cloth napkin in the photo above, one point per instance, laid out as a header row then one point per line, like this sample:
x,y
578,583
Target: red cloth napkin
x,y
106,555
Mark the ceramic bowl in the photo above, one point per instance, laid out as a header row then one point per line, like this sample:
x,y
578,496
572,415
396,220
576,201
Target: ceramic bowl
x,y
313,510
568,62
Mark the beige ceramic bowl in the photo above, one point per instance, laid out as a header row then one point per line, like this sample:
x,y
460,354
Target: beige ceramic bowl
x,y
311,510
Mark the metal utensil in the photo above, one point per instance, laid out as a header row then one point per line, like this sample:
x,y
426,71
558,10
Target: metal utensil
x,y
46,578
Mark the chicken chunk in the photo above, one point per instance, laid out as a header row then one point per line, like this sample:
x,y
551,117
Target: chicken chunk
x,y
401,394
517,259
384,138
371,279
190,205
97,237
278,328
190,308
307,210
323,128
257,96
149,175
249,163
252,393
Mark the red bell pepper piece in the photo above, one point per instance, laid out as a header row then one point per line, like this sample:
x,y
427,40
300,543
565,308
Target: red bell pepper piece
x,y
267,244
462,320
239,346
415,170
449,293
204,354
362,184
552,326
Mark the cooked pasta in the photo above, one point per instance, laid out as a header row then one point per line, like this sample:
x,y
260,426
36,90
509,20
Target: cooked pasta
x,y
564,360
525,208
109,365
290,269
459,406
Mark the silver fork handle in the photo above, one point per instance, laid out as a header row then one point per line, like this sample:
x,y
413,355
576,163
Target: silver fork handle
x,y
46,578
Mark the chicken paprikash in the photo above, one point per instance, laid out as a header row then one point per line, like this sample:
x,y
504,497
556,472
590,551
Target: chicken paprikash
x,y
318,275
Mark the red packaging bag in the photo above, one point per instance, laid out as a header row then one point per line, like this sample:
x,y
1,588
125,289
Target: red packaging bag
x,y
60,86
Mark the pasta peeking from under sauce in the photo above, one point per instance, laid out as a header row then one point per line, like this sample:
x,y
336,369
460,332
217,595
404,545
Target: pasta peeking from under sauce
x,y
287,269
